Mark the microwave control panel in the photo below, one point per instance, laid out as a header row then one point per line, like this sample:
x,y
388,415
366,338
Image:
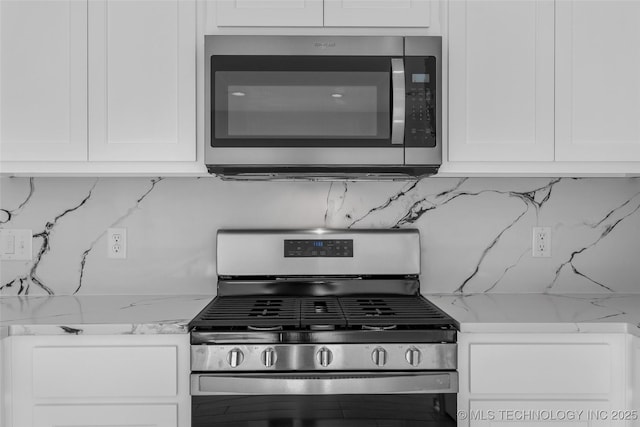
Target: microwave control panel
x,y
420,116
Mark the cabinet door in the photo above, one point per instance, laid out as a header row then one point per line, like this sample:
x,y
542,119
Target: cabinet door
x,y
598,80
142,80
377,13
105,415
43,80
269,13
501,80
102,380
578,379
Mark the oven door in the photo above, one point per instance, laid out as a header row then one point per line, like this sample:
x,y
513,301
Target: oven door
x,y
304,109
324,399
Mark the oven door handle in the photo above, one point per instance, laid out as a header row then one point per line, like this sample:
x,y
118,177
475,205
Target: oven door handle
x,y
323,383
397,117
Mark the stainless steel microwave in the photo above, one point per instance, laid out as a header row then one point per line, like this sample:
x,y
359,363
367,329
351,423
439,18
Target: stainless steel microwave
x,y
323,107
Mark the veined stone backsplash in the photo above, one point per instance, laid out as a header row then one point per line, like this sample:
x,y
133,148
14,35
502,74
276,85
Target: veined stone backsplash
x,y
475,232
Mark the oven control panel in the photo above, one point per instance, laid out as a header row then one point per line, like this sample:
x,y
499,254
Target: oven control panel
x,y
333,248
317,357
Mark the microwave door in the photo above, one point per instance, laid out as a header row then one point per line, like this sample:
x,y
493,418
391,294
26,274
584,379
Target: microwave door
x,y
307,110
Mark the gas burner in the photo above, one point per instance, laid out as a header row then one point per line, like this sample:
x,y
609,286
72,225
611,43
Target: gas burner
x,y
378,327
264,328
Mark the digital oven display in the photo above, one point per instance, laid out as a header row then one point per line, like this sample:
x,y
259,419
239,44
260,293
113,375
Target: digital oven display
x,y
334,248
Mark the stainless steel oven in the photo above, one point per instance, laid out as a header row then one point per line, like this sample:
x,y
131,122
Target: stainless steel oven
x,y
296,105
324,400
322,328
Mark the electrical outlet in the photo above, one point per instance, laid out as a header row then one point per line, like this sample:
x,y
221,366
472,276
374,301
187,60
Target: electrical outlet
x,y
16,244
541,245
117,243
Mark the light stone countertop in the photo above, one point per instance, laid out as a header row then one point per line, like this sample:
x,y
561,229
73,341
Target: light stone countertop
x,y
543,313
99,314
170,314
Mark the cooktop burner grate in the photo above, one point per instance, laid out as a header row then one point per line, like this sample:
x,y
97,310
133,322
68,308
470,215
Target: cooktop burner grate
x,y
250,311
394,310
313,313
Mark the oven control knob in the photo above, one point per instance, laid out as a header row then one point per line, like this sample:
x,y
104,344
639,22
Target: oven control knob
x,y
235,357
324,356
413,356
268,357
379,356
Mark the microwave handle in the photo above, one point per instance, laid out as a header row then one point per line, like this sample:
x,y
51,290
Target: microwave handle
x,y
397,117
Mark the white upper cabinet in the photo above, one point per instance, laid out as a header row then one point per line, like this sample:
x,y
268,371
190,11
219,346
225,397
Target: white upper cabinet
x,y
598,80
142,79
327,13
269,13
43,80
377,13
501,82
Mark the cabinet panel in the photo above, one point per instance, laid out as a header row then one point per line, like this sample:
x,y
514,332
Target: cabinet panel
x,y
142,80
598,80
43,80
101,380
64,372
269,13
105,415
501,80
377,13
540,368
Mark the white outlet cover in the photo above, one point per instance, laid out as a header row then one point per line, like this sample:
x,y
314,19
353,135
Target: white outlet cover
x,y
543,233
16,244
117,236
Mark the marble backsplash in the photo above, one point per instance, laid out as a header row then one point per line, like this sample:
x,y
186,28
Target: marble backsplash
x,y
475,232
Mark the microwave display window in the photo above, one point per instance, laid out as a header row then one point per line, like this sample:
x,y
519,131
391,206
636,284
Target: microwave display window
x,y
420,78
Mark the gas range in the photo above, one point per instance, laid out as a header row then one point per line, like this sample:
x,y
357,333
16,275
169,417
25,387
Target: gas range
x,y
321,300
321,328
372,332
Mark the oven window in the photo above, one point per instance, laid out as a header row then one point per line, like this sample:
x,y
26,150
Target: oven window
x,y
300,102
407,410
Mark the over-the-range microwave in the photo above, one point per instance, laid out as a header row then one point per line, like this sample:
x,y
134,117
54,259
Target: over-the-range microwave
x,y
322,107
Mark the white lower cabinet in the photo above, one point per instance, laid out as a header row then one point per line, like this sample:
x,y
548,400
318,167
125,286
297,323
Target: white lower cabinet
x,y
105,415
535,379
110,380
